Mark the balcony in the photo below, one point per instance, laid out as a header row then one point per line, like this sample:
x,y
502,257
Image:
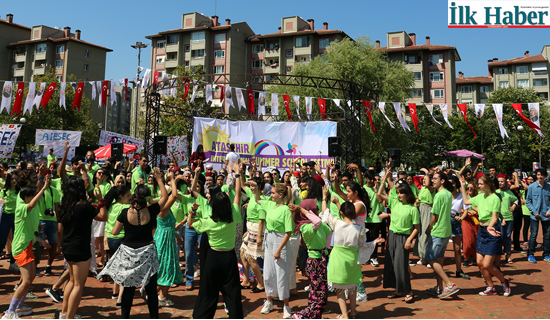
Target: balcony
x,y
20,57
170,63
273,53
40,70
172,47
19,72
40,55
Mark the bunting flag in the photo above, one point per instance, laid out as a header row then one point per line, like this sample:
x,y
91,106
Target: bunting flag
x,y
208,93
309,107
337,103
30,98
250,95
296,100
173,83
498,113
381,106
99,92
78,95
156,77
39,95
322,107
368,110
430,108
48,94
125,91
145,81
228,98
414,116
275,105
104,92
404,125
464,110
94,94
261,103
517,107
62,95
222,93
286,100
195,89
534,114
18,98
165,85
113,93
480,109
186,83
240,98
445,112
6,96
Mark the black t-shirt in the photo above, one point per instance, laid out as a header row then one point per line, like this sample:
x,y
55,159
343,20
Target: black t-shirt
x,y
77,232
139,236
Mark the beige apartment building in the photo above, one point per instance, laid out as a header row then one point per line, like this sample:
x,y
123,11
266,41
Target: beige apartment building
x,y
472,90
433,66
9,32
117,117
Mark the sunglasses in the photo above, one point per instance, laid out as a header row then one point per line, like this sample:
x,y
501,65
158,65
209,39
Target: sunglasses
x,y
100,172
470,189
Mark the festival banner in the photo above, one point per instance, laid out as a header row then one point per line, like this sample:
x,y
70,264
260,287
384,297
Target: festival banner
x,y
48,94
104,93
156,77
414,116
145,80
99,91
18,99
195,88
534,114
8,137
262,96
78,95
125,89
208,93
30,98
94,91
250,95
113,92
62,95
173,83
6,96
368,110
240,98
296,100
464,110
309,107
228,98
480,109
517,107
108,137
275,105
286,101
177,150
498,113
445,112
55,139
222,93
430,108
381,106
322,107
337,103
404,125
272,144
186,92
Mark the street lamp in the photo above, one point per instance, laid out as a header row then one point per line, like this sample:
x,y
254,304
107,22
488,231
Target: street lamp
x,y
520,129
22,121
139,45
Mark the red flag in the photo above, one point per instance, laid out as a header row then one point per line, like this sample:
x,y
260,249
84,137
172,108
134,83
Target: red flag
x,y
156,77
78,95
48,94
18,99
250,94
125,90
414,117
104,91
222,93
186,83
464,109
322,107
286,99
368,110
517,107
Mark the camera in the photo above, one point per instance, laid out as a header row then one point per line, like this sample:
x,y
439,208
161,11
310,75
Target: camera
x,y
49,212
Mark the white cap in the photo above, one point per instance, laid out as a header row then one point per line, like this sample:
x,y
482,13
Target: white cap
x,y
209,165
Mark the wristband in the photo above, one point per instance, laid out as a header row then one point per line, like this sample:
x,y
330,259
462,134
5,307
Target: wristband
x,y
100,204
192,215
40,179
87,178
237,176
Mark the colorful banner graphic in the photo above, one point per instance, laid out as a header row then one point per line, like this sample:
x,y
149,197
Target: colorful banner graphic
x,y
8,137
55,139
108,137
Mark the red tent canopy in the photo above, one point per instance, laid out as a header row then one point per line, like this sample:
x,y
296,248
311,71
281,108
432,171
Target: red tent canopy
x,y
104,152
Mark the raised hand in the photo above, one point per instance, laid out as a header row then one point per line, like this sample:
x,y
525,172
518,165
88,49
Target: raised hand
x,y
468,161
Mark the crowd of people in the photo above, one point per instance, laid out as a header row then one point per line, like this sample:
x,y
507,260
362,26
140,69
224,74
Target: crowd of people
x,y
141,222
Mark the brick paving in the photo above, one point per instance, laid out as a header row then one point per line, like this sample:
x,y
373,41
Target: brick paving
x,y
528,299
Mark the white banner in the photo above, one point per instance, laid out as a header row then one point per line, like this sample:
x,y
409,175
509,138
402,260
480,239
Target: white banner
x,y
445,111
62,95
208,93
309,107
113,92
381,106
55,139
297,105
261,103
177,149
275,105
6,96
30,98
430,108
397,107
240,98
8,137
228,98
498,112
108,137
534,115
480,108
273,144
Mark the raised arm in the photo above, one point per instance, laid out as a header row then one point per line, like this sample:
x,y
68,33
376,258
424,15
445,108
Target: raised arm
x,y
466,164
381,190
61,170
102,215
515,186
238,181
479,165
359,173
37,197
195,182
163,193
337,188
172,198
465,197
256,191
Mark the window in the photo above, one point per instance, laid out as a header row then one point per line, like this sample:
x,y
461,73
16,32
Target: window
x,y
219,54
435,59
256,79
302,41
187,63
522,69
219,38
539,68
484,89
219,69
172,39
523,83
502,70
438,94
417,75
58,64
161,44
172,56
197,37
436,76
540,82
416,92
323,43
256,64
411,59
197,54
87,53
503,84
41,47
274,62
289,69
86,67
466,89
289,53
160,59
273,46
258,48
60,49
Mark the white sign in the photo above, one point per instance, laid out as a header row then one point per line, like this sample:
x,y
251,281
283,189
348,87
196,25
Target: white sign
x,y
108,137
176,148
8,137
55,139
498,14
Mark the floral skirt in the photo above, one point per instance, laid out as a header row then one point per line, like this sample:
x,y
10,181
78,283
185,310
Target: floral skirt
x,y
250,243
318,288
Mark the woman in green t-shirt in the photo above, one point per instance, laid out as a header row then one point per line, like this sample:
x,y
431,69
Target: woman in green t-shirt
x,y
424,203
9,195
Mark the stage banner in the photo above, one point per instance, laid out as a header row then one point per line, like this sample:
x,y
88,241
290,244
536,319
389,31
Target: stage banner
x,y
177,149
108,137
272,144
8,137
55,139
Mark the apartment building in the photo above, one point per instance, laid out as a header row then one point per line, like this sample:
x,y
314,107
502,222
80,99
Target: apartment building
x,y
527,71
472,90
9,32
117,117
433,66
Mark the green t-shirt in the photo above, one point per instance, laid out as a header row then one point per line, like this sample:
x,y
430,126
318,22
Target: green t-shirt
x,y
403,217
10,200
375,206
231,193
91,179
138,174
95,167
26,223
104,188
277,219
443,201
51,159
486,206
524,208
205,210
114,212
51,197
508,198
221,235
315,239
425,196
254,211
56,183
414,189
181,208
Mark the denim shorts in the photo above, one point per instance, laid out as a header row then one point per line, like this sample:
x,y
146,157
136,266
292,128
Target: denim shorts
x,y
436,248
114,244
49,231
487,244
456,228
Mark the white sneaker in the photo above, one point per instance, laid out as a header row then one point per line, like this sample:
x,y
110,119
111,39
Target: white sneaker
x,y
419,262
197,273
428,265
267,307
374,262
225,308
287,313
64,316
306,288
362,297
10,316
24,311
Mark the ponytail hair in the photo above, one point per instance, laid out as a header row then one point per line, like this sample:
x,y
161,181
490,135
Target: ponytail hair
x,y
139,198
447,185
284,190
361,193
113,194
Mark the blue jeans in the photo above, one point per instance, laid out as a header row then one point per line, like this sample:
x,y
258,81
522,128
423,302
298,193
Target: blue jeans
x,y
6,224
506,235
545,234
49,231
191,257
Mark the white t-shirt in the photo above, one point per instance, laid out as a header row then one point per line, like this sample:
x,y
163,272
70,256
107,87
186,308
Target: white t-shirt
x,y
232,156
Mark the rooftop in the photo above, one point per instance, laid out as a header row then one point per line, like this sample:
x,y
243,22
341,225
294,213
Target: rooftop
x,y
60,40
519,60
160,34
474,80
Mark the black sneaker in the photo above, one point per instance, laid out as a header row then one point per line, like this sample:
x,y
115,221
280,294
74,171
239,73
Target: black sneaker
x,y
461,274
54,295
48,271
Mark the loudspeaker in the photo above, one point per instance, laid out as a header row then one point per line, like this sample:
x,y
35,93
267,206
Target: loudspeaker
x,y
395,155
117,150
160,145
334,147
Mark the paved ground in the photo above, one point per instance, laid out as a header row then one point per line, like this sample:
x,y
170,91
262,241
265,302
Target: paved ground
x,y
528,299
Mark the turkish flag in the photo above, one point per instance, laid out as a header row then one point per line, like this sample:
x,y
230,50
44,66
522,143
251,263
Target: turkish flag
x,y
18,98
517,107
156,77
186,83
464,108
104,91
250,95
222,94
414,116
78,95
286,99
125,90
47,95
322,107
368,110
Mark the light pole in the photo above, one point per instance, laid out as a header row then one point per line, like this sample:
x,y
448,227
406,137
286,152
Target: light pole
x,y
22,121
520,129
139,45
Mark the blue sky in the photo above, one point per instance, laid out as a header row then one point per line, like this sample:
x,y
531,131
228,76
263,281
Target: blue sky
x,y
119,24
